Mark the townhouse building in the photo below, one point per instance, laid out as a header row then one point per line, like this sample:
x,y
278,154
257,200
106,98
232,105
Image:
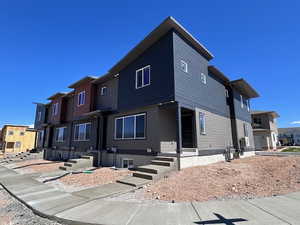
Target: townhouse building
x,y
162,98
265,131
289,136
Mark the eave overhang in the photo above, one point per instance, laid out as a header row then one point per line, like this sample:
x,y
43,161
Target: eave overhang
x,y
82,81
103,78
56,95
244,88
272,113
218,73
168,24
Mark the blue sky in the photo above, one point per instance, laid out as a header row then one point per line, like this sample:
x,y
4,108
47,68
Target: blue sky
x,y
47,45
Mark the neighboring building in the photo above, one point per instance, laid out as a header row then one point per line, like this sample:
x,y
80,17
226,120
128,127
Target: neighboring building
x,y
265,130
16,138
162,98
1,143
289,136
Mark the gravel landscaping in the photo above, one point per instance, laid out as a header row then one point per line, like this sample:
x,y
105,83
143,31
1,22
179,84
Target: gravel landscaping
x,y
36,166
256,176
80,181
14,212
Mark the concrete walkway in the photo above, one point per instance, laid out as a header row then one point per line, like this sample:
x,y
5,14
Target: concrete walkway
x,y
89,207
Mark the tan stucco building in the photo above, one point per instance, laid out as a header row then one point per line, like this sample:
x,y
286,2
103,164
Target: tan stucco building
x,y
17,138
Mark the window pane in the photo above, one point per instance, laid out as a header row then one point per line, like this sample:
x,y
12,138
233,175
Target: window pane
x,y
81,132
64,133
147,76
76,132
57,134
140,126
119,128
88,131
139,79
129,127
202,123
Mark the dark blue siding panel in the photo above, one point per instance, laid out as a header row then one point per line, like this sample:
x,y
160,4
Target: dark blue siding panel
x,y
240,113
160,58
189,90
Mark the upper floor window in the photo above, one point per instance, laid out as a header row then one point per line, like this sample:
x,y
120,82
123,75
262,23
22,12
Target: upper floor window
x,y
226,93
81,98
103,91
39,116
55,108
10,132
82,132
247,103
130,127
142,77
202,123
242,102
60,135
40,135
203,78
22,133
183,66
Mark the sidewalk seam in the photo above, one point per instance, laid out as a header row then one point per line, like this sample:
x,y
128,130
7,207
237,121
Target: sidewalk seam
x,y
133,214
283,220
193,206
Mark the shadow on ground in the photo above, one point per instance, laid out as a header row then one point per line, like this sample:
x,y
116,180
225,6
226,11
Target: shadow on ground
x,y
222,220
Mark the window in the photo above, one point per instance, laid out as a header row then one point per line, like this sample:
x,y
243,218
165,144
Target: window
x,y
127,163
242,103
246,130
226,93
60,134
130,127
10,144
55,108
81,98
202,123
17,144
248,105
39,116
103,91
82,132
203,78
142,77
257,120
40,136
22,133
184,66
10,132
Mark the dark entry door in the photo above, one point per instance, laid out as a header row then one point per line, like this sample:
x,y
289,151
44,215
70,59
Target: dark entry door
x,y
187,131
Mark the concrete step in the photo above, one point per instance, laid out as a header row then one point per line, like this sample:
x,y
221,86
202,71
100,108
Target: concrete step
x,y
155,169
143,175
62,168
133,181
164,158
189,149
67,164
72,160
87,157
160,163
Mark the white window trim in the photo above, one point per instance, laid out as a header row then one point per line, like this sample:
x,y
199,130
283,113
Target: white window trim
x,y
78,98
203,78
186,66
102,91
39,115
204,123
57,130
85,139
226,93
134,132
136,75
242,102
248,105
55,109
127,159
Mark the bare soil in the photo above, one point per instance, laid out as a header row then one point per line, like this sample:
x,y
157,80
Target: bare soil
x,y
97,177
256,176
37,165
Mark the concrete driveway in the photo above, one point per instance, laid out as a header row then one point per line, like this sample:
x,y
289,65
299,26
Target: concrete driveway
x,y
89,207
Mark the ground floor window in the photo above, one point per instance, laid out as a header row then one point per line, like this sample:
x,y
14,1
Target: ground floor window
x,y
127,163
17,144
10,144
60,134
82,132
202,123
130,127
